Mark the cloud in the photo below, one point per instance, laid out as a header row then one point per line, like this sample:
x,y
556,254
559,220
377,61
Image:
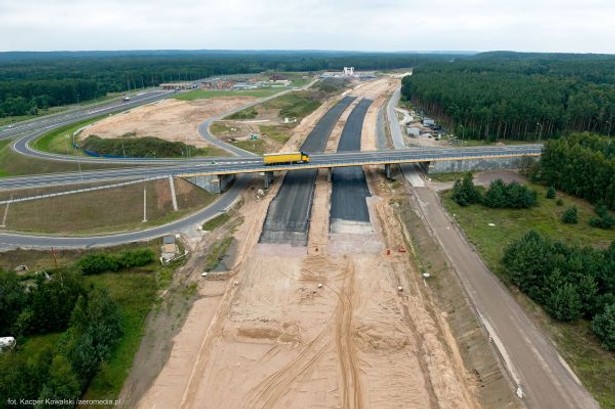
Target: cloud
x,y
532,25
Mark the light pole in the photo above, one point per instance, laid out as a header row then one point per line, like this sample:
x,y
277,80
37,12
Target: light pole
x,y
66,143
540,131
463,134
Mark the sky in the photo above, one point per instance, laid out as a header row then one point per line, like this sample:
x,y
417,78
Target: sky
x,y
580,26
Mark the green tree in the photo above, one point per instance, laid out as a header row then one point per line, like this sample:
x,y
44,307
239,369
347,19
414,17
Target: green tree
x,y
464,191
61,384
550,193
564,303
570,216
603,326
13,299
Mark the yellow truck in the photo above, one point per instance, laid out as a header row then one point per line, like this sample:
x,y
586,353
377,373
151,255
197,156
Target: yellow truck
x,y
285,158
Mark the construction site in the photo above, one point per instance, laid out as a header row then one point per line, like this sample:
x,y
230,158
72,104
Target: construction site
x,y
321,301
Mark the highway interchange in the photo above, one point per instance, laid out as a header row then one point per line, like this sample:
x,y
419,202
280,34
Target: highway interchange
x,y
531,360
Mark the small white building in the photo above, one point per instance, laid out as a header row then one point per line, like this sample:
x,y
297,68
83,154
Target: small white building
x,y
413,131
428,122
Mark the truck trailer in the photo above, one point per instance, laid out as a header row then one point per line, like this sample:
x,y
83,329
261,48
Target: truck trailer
x,y
285,158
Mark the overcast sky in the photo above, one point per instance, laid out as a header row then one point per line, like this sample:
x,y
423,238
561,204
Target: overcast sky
x,y
380,25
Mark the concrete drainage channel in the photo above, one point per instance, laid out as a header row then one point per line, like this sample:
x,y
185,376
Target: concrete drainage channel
x,y
288,215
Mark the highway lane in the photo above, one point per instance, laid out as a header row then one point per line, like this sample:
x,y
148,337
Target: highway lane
x,y
348,185
532,361
9,240
222,166
28,131
287,219
47,123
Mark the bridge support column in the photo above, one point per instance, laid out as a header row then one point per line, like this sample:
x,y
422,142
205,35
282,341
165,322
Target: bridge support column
x,y
387,170
268,179
329,174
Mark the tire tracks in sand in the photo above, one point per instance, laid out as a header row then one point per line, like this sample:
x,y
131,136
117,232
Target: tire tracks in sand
x,y
351,387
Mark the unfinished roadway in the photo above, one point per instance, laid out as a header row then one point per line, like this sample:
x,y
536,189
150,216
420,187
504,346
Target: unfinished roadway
x,y
288,215
349,187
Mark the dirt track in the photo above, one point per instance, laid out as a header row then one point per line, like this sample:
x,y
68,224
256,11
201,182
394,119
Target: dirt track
x,y
322,327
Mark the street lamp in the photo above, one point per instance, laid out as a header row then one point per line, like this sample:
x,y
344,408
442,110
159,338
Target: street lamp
x,y
66,143
463,134
540,131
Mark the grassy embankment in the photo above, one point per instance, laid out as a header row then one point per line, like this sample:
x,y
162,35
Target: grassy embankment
x,y
107,210
214,93
272,137
576,341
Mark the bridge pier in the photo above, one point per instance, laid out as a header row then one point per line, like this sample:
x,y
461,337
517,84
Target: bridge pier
x,y
212,183
329,174
268,178
387,170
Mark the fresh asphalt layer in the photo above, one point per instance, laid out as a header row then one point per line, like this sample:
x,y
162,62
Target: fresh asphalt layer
x,y
349,187
289,212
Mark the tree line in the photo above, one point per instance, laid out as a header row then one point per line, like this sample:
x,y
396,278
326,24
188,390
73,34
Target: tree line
x,y
570,282
582,165
517,97
32,81
499,195
59,301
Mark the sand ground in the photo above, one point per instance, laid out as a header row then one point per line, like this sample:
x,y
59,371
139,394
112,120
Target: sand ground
x,y
169,119
319,327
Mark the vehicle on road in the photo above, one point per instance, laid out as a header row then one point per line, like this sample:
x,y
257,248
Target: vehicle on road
x,y
285,158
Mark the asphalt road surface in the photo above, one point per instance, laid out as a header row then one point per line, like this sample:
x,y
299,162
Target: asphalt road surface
x,y
532,361
349,187
288,215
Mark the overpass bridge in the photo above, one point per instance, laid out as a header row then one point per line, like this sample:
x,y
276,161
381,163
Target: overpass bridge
x,y
232,166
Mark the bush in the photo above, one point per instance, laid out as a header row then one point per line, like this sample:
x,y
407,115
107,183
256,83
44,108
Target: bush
x,y
464,191
136,258
513,195
550,193
603,325
604,220
559,202
98,263
570,216
102,262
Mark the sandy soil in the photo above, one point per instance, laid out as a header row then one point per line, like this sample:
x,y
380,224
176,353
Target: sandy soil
x,y
169,119
317,327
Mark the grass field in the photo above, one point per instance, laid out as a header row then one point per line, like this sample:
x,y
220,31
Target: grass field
x,y
206,94
511,224
576,342
60,140
292,105
257,146
216,222
279,134
108,210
